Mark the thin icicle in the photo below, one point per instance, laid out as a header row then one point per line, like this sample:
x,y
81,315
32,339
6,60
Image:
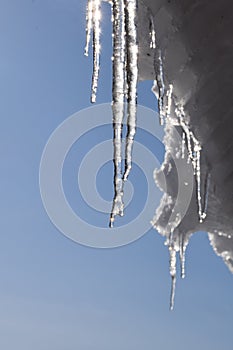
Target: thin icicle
x,y
160,83
131,124
180,114
172,252
194,155
169,101
183,145
96,16
118,106
197,150
132,78
152,33
89,25
182,250
207,185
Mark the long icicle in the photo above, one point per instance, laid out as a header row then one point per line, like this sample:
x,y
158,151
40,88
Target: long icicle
x,y
169,101
172,252
152,33
207,185
194,155
160,83
182,250
118,106
96,16
89,25
132,78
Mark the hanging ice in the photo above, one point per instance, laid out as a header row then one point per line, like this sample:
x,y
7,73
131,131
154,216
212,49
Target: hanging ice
x,y
125,76
172,252
132,78
93,17
89,25
118,104
152,33
194,155
159,84
182,249
169,101
172,111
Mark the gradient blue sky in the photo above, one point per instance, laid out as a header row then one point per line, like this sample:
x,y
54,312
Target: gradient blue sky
x,y
56,294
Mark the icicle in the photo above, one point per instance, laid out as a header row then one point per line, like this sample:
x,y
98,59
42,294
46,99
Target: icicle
x,y
125,76
172,252
183,145
207,185
194,155
152,33
180,114
89,25
197,149
93,16
169,101
118,106
131,124
160,83
132,78
182,256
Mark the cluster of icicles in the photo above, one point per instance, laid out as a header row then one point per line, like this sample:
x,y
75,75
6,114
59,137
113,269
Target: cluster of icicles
x,y
125,76
193,146
124,98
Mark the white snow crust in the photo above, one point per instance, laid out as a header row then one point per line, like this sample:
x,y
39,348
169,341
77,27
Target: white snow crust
x,y
195,41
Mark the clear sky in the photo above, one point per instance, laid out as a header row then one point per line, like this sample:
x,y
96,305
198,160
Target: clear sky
x,y
56,294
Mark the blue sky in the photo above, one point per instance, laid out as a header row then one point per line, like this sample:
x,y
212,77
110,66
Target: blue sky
x,y
56,294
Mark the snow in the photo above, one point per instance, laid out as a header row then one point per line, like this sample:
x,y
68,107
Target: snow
x,y
196,61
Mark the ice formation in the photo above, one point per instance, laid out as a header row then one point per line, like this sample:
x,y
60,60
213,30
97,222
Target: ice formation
x,y
118,16
172,252
194,155
157,51
159,83
125,77
93,16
